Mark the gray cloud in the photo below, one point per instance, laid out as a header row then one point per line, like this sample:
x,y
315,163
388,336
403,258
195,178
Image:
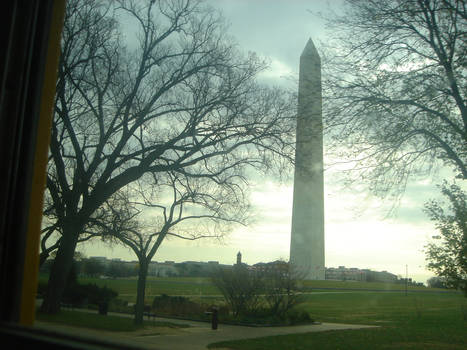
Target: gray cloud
x,y
276,29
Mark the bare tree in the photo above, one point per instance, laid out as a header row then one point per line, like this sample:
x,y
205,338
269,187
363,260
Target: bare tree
x,y
269,289
181,98
281,287
395,89
241,288
173,205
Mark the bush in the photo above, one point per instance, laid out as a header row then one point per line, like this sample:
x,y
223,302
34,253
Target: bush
x,y
297,316
269,291
80,295
280,288
241,288
120,305
177,306
98,295
75,295
223,311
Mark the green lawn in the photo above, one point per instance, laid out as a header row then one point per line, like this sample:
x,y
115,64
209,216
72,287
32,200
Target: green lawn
x,y
352,285
381,308
202,287
126,287
417,321
101,322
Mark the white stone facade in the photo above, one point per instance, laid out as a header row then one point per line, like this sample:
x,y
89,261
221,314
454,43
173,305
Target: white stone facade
x,y
307,238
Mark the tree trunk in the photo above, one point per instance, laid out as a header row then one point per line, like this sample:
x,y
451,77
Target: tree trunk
x,y
140,293
42,258
60,270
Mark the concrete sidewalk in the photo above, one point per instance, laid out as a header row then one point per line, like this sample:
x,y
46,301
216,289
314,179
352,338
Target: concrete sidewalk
x,y
196,337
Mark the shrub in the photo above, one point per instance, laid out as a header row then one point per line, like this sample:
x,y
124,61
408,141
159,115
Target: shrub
x,y
297,316
223,311
280,288
75,295
98,295
177,306
269,291
80,295
241,288
120,305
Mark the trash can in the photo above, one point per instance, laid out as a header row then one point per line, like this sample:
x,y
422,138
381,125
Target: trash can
x,y
214,318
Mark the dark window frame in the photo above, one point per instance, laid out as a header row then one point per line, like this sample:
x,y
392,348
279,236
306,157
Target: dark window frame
x,y
30,37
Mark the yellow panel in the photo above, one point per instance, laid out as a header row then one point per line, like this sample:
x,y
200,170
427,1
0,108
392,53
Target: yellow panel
x,y
31,263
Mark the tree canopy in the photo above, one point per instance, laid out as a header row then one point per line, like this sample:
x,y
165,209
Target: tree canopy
x,y
447,253
395,89
178,97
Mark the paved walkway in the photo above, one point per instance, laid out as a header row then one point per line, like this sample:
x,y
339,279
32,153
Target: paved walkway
x,y
196,337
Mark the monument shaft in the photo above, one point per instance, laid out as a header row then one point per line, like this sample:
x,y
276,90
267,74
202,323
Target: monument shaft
x,y
307,238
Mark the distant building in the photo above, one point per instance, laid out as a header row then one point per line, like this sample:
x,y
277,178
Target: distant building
x,y
345,274
101,259
165,269
278,265
354,274
205,269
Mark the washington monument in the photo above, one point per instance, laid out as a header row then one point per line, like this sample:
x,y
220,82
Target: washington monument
x,y
307,238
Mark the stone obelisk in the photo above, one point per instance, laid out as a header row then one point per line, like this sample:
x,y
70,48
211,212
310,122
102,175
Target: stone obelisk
x,y
307,238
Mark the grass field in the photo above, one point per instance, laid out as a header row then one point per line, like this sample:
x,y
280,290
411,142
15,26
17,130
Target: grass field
x,y
202,287
381,308
356,285
126,287
417,321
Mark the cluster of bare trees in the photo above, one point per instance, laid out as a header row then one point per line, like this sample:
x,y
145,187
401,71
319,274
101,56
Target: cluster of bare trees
x,y
271,290
396,102
153,131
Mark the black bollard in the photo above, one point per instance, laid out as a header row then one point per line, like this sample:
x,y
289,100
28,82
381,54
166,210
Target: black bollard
x,y
214,320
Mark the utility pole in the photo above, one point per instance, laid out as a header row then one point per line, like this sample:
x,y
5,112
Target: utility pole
x,y
406,278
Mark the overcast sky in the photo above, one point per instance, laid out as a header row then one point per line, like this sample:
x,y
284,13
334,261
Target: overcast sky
x,y
357,235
